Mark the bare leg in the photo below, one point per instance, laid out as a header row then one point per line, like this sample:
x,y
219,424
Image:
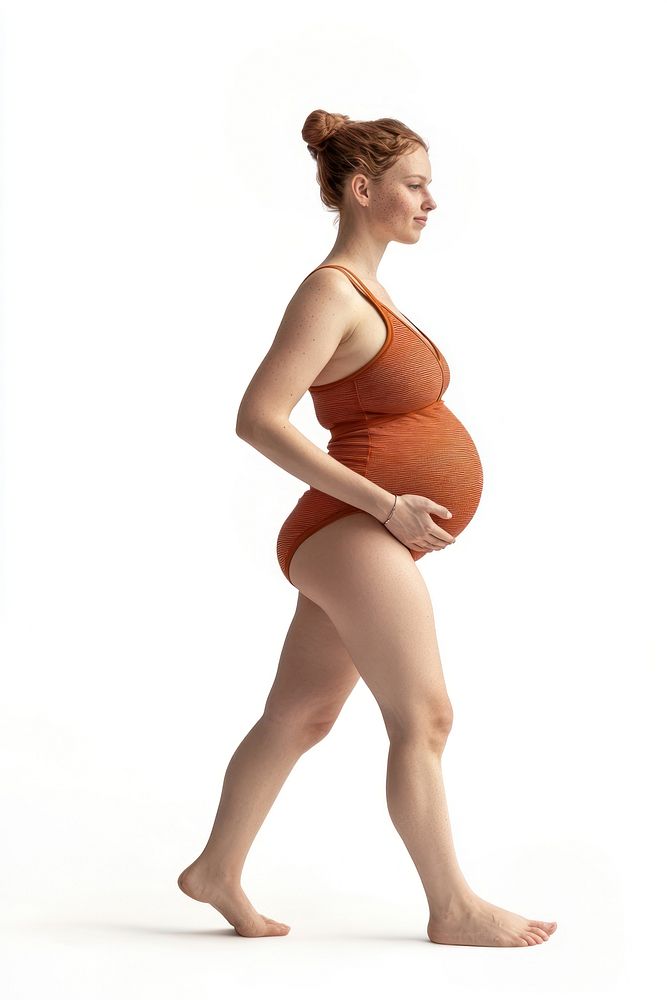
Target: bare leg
x,y
315,676
371,589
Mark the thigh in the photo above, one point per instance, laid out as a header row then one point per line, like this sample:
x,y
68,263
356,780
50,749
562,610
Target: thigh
x,y
372,590
316,673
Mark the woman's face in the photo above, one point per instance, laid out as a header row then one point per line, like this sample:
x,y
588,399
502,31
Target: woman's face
x,y
401,197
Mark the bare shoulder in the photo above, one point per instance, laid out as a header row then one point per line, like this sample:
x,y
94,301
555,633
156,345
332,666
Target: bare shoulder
x,y
321,314
330,291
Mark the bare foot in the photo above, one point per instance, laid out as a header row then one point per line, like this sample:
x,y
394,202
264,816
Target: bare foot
x,y
230,900
474,921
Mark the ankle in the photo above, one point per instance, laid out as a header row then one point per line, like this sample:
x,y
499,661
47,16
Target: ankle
x,y
452,904
214,870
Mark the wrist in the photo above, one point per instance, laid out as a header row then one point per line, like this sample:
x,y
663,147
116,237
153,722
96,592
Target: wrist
x,y
389,509
381,502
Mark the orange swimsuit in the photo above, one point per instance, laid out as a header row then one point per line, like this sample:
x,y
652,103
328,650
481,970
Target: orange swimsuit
x,y
388,422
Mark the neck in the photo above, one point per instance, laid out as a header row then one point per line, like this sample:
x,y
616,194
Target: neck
x,y
359,250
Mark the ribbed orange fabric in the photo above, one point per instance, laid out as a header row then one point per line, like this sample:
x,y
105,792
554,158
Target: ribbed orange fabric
x,y
389,423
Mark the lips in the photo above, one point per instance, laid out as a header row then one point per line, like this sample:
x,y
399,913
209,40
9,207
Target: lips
x,y
423,221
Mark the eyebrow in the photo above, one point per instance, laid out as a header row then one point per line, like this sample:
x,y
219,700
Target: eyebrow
x,y
416,175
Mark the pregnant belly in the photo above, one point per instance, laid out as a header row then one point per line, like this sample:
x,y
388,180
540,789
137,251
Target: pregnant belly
x,y
430,453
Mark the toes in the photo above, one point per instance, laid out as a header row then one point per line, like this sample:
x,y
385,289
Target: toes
x,y
539,932
532,938
548,926
276,923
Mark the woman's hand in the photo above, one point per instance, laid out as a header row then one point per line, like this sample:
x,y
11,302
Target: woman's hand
x,y
413,525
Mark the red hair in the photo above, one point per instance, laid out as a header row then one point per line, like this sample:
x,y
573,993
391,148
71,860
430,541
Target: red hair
x,y
342,147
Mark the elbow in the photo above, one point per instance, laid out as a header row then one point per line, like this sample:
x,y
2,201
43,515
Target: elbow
x,y
250,427
244,426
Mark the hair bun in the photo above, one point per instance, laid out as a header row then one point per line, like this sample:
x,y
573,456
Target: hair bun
x,y
319,126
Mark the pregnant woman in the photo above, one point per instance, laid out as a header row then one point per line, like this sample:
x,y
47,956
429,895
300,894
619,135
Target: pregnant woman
x,y
401,478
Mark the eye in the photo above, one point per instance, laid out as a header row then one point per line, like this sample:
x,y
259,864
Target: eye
x,y
414,185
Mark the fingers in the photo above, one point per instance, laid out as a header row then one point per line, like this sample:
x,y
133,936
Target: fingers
x,y
438,539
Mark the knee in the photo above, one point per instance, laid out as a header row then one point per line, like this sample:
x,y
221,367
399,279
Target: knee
x,y
314,730
430,724
437,725
302,728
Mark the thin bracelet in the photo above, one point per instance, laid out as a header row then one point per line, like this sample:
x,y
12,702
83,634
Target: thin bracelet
x,y
392,509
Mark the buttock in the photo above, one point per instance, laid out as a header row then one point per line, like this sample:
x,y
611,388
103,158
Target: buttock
x,y
347,534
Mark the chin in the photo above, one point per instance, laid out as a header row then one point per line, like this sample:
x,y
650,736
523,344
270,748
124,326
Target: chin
x,y
410,238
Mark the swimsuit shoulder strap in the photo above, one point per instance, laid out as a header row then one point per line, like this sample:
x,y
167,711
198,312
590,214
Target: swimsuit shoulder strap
x,y
355,281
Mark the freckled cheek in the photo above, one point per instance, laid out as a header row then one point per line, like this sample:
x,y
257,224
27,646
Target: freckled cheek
x,y
395,209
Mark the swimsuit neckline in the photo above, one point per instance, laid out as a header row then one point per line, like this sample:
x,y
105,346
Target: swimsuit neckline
x,y
419,334
402,319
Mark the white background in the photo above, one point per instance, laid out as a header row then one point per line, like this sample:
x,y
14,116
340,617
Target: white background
x,y
159,208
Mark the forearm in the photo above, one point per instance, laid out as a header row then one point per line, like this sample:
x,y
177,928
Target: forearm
x,y
285,445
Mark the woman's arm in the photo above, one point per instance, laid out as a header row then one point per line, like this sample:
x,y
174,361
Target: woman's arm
x,y
316,320
285,445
